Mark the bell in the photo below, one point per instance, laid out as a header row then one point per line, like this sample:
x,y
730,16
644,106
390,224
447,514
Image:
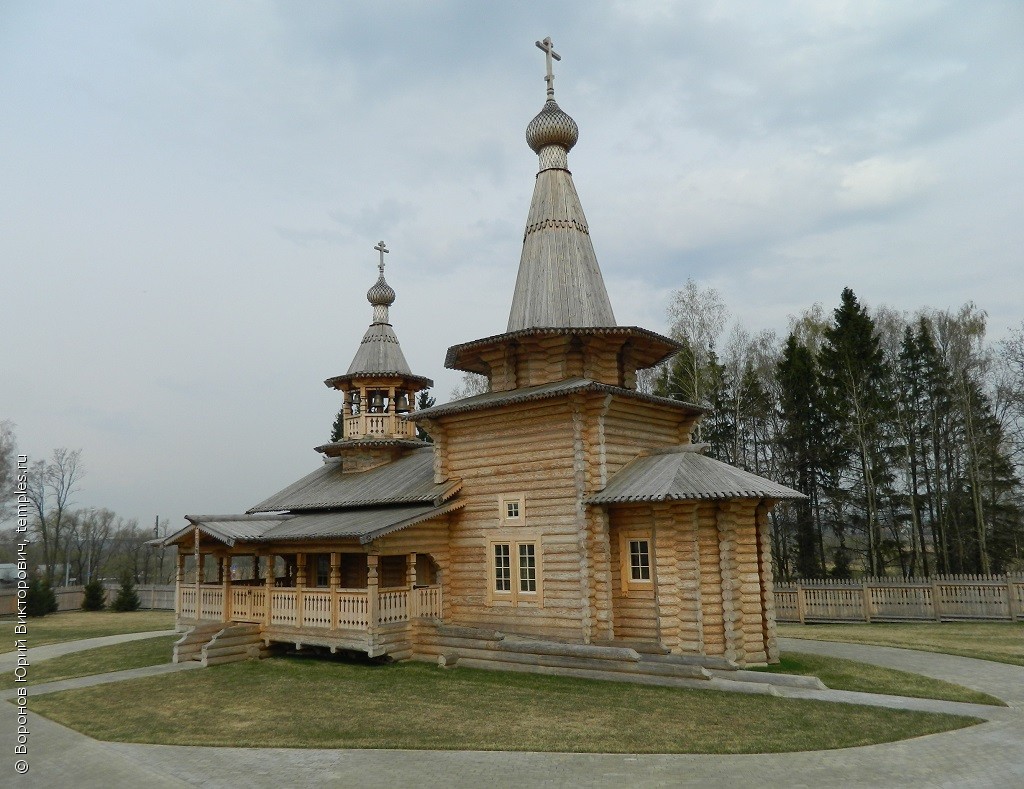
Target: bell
x,y
402,403
354,398
377,401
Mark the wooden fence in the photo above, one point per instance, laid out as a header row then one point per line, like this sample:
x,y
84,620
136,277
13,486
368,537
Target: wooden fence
x,y
69,598
942,598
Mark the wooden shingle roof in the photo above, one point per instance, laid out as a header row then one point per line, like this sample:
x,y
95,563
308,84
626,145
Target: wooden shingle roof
x,y
408,480
683,474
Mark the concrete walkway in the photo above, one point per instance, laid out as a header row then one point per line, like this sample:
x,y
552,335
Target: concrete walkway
x,y
35,654
988,755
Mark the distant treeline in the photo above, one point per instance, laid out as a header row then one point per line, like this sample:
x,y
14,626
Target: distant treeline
x,y
905,432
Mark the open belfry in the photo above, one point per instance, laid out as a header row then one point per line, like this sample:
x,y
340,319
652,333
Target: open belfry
x,y
561,522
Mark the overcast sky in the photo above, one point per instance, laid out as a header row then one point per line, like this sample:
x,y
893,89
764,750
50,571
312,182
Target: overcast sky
x,y
190,194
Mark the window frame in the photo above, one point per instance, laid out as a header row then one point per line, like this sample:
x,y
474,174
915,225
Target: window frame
x,y
515,542
519,500
628,582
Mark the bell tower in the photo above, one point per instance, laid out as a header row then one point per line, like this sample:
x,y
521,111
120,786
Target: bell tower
x,y
379,391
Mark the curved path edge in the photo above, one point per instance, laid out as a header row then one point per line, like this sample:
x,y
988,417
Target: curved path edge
x,y
986,755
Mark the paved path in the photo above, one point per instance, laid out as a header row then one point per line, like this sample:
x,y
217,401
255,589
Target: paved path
x,y
988,755
35,654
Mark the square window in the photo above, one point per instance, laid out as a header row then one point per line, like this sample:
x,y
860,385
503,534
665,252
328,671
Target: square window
x,y
512,509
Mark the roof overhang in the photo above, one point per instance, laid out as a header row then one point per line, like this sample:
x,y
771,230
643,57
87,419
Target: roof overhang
x,y
548,391
648,348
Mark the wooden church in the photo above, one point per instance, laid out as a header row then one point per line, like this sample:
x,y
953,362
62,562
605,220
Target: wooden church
x,y
561,522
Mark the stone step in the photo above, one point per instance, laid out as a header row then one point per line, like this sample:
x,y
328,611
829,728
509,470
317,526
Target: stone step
x,y
572,662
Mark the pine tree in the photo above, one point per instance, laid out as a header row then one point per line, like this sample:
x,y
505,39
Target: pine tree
x,y
338,428
855,375
95,596
424,400
40,599
127,598
798,384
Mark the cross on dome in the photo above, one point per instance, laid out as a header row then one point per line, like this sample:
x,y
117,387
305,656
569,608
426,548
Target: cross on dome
x,y
549,52
383,251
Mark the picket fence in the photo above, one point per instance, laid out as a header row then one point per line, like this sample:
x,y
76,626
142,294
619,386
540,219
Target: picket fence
x,y
941,598
69,598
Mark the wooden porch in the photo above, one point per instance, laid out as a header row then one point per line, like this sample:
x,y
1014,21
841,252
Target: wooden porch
x,y
319,609
295,599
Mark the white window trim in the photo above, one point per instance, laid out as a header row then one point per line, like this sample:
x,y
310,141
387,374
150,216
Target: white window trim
x,y
515,596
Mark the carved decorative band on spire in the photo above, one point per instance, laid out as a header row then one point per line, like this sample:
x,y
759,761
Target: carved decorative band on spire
x,y
561,224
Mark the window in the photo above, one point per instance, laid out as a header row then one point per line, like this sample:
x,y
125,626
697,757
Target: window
x,y
512,510
527,567
639,560
514,571
636,561
502,568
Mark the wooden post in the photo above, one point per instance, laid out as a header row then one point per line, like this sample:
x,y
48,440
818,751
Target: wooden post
x,y
199,570
866,597
179,580
936,612
335,582
411,573
801,602
1011,598
271,577
300,583
372,601
225,585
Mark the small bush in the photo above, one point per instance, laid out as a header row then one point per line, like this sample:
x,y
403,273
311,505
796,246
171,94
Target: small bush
x,y
40,599
127,598
95,596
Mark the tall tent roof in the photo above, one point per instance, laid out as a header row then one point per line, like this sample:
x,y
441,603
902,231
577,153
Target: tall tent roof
x,y
559,284
379,352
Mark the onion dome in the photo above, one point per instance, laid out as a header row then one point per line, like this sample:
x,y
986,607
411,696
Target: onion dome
x,y
552,126
381,294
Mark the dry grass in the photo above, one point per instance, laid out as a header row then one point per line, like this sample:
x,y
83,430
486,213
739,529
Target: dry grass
x,y
841,674
75,625
134,654
285,702
1002,642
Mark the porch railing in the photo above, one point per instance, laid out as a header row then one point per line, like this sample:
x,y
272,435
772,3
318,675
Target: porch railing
x,y
346,609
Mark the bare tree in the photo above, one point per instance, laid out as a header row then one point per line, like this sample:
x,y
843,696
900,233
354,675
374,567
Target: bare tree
x,y
51,486
89,536
472,384
8,467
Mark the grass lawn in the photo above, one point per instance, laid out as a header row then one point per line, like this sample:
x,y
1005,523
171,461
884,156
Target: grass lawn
x,y
288,702
134,654
1002,642
842,674
74,625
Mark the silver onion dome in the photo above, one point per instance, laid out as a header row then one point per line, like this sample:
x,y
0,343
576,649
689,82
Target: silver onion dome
x,y
552,126
381,294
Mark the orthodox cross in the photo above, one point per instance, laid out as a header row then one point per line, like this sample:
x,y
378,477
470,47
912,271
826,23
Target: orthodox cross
x,y
549,52
383,250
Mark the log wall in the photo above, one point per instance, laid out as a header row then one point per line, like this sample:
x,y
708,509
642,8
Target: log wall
x,y
529,449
